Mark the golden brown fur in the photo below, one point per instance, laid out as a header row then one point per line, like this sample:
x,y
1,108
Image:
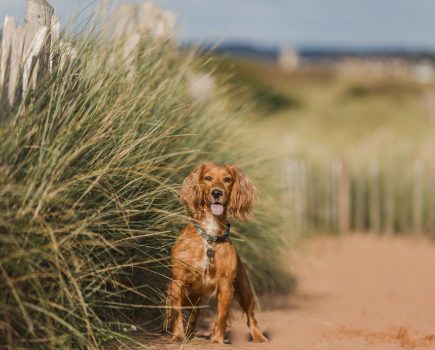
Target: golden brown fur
x,y
196,277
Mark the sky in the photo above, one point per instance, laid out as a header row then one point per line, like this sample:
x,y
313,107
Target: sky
x,y
291,23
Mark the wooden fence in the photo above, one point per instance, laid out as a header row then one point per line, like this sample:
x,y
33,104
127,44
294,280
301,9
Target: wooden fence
x,y
26,55
29,53
380,196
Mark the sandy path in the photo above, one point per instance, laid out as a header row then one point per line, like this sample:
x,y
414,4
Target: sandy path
x,y
358,292
355,292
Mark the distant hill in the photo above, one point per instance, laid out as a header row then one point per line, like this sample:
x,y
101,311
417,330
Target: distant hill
x,y
240,49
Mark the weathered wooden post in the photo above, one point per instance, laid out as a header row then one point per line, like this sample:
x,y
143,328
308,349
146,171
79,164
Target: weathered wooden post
x,y
389,198
25,52
334,198
343,196
326,202
418,198
375,198
39,15
431,202
298,195
360,200
39,12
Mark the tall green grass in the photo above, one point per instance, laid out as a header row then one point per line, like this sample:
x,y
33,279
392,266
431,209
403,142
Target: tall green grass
x,y
90,171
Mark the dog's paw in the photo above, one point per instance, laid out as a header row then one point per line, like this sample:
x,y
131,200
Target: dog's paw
x,y
217,339
258,337
177,338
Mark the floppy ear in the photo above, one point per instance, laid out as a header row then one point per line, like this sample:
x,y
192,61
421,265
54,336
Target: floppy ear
x,y
242,195
191,193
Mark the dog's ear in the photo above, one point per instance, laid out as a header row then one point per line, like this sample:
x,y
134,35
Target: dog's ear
x,y
242,195
191,193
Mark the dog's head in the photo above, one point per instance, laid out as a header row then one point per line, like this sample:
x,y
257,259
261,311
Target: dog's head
x,y
217,188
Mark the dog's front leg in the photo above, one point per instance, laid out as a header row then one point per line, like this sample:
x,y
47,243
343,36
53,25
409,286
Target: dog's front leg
x,y
246,298
224,299
194,315
176,301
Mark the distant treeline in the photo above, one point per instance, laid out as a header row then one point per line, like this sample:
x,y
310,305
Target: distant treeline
x,y
242,49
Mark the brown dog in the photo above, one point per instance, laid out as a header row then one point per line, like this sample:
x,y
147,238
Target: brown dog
x,y
204,261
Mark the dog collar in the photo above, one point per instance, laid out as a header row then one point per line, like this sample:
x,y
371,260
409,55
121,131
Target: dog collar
x,y
214,239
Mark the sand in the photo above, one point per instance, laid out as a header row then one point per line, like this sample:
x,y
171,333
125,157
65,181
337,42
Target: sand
x,y
354,292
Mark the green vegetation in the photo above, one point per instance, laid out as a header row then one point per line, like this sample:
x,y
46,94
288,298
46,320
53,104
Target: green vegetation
x,y
380,126
336,112
89,207
247,83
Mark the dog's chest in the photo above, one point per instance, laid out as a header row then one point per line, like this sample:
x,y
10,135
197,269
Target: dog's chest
x,y
208,256
214,264
209,267
215,269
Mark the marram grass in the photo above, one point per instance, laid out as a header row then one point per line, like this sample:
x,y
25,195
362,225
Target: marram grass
x,y
90,172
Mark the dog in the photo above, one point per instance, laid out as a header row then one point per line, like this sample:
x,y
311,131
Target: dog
x,y
204,260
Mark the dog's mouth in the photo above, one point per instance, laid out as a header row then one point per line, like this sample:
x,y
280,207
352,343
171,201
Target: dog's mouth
x,y
217,208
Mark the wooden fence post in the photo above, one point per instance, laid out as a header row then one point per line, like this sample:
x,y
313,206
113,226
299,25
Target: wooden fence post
x,y
418,198
297,191
431,201
39,15
389,198
360,200
374,196
334,199
328,199
39,12
343,196
302,195
25,53
6,70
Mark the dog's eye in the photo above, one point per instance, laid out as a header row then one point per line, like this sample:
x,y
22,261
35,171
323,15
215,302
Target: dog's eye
x,y
228,179
208,178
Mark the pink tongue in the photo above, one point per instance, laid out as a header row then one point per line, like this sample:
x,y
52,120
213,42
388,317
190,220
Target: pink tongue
x,y
217,209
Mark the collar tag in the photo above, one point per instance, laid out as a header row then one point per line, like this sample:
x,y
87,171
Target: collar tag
x,y
210,253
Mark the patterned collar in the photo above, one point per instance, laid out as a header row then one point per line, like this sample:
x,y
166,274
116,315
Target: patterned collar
x,y
214,239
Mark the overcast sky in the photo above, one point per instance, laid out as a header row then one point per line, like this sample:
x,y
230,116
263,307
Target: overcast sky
x,y
345,23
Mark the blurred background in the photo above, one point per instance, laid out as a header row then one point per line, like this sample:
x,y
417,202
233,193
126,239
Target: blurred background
x,y
341,89
328,105
344,90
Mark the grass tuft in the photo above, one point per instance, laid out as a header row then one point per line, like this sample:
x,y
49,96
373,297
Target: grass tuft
x,y
89,207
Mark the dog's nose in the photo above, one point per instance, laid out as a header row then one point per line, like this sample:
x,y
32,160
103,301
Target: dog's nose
x,y
216,193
